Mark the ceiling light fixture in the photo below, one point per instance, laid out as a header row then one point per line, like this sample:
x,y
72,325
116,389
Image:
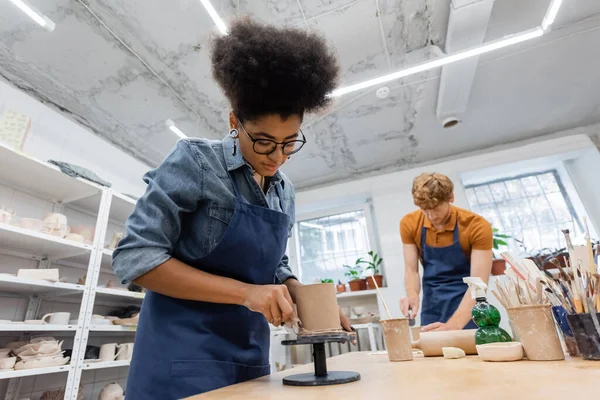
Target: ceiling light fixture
x,y
215,17
38,17
461,55
551,14
175,129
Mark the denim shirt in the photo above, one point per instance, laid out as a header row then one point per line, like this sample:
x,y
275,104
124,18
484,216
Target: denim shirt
x,y
188,204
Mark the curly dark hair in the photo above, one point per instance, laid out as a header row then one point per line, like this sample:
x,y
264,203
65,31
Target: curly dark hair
x,y
266,70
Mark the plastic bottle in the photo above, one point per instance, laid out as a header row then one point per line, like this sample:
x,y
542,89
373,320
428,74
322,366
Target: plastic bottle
x,y
485,315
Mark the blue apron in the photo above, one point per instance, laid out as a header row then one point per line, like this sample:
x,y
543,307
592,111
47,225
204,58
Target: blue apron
x,y
184,347
443,287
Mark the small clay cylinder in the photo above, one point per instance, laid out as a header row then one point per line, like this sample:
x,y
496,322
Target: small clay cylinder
x,y
534,326
317,307
397,339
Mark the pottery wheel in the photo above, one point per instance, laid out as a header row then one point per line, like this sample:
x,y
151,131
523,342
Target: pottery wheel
x,y
321,377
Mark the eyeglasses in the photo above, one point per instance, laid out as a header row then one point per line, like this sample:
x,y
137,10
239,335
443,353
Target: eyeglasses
x,y
268,146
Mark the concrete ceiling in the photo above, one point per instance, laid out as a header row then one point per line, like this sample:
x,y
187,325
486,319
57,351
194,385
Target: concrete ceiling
x,y
123,67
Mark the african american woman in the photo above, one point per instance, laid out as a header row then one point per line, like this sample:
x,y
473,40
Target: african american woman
x,y
208,238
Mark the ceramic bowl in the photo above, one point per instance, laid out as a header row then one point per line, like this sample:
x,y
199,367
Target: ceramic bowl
x,y
508,351
32,224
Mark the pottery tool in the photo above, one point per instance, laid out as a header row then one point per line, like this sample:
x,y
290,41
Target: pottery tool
x,y
504,293
592,264
500,299
321,377
381,297
567,239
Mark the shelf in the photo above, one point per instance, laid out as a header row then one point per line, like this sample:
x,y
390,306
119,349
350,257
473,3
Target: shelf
x,y
23,241
103,293
26,174
360,293
37,328
33,372
13,284
113,328
107,364
121,207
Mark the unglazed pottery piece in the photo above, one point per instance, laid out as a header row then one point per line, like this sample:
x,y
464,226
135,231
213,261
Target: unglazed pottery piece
x,y
32,224
397,339
111,391
50,274
8,363
117,236
534,326
55,224
453,352
317,307
502,351
431,343
75,237
42,363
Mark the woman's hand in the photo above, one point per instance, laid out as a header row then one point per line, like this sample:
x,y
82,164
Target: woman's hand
x,y
272,301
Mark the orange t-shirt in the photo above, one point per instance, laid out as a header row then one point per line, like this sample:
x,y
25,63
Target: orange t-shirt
x,y
474,231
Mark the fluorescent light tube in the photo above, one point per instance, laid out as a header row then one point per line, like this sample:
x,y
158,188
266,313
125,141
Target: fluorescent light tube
x,y
41,19
175,130
461,55
213,14
551,14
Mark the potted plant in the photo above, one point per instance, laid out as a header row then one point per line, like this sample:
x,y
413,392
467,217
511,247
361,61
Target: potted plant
x,y
340,287
326,280
354,280
546,258
374,264
499,239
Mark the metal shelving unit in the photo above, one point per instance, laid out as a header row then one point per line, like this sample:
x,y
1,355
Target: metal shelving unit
x,y
44,181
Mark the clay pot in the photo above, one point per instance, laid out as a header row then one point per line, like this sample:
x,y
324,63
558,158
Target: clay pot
x,y
363,284
317,307
341,288
498,267
397,339
354,285
378,280
431,343
534,326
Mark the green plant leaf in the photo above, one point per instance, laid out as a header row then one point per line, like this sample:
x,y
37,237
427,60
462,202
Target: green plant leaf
x,y
501,242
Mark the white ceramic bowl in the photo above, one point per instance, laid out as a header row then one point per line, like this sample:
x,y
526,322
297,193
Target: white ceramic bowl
x,y
508,351
32,224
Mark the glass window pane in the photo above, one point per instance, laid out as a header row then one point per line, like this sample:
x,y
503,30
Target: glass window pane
x,y
326,244
499,191
515,189
531,185
548,182
484,196
471,196
532,209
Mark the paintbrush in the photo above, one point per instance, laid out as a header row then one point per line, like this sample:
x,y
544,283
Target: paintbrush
x,y
567,239
588,241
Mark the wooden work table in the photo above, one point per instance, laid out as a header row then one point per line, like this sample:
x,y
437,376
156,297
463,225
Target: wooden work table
x,y
431,378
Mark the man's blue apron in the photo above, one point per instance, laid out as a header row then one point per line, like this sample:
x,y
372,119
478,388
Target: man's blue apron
x,y
183,347
443,287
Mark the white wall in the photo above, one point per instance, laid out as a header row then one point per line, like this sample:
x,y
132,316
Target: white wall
x,y
53,136
392,199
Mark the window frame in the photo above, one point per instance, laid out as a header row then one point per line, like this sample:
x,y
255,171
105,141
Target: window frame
x,y
366,208
559,181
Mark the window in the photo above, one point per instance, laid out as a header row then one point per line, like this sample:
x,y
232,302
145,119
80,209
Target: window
x,y
532,208
326,243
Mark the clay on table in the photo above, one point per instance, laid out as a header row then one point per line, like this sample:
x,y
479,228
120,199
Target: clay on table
x,y
431,343
503,351
318,309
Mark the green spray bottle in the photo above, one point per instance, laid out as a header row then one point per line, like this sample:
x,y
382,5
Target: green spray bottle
x,y
485,315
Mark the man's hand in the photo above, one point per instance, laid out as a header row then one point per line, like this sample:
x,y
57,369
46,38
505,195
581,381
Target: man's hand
x,y
439,326
272,301
410,303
